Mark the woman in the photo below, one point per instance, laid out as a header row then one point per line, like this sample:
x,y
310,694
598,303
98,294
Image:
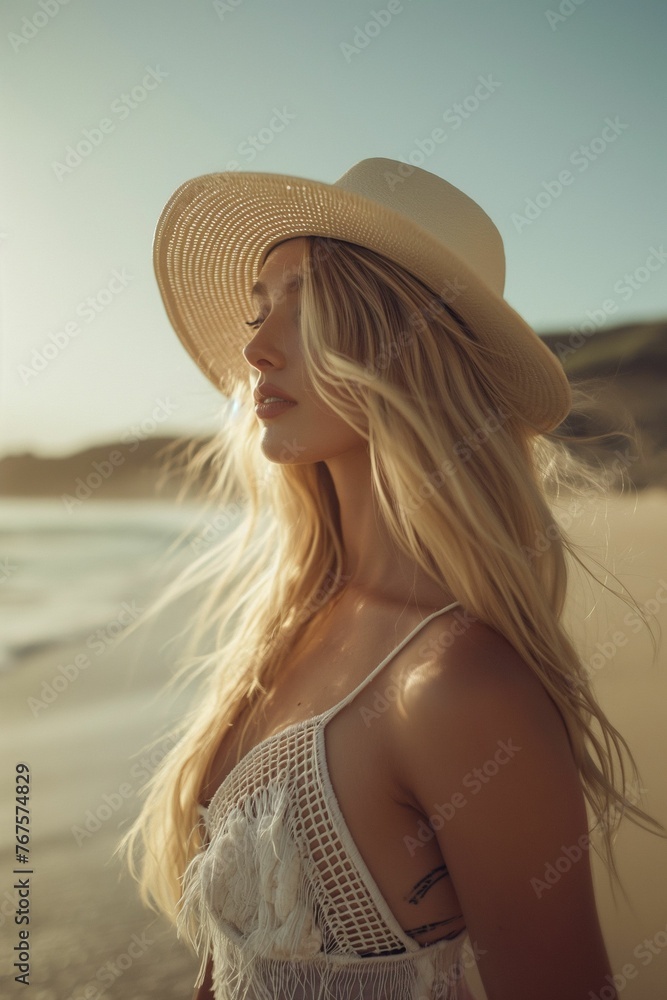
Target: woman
x,y
326,826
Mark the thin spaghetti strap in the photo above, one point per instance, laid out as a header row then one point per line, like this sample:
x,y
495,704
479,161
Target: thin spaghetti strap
x,y
350,697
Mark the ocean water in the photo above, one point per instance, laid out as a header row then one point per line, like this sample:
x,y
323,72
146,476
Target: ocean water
x,y
62,575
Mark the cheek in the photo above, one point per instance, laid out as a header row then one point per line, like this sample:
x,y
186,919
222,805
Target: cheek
x,y
325,420
326,435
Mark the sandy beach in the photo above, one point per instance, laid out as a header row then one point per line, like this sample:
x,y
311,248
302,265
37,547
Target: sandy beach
x,y
89,935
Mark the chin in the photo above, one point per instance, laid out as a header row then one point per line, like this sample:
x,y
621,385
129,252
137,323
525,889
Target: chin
x,y
284,449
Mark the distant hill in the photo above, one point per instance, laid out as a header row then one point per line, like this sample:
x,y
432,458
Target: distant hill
x,y
104,472
630,360
631,363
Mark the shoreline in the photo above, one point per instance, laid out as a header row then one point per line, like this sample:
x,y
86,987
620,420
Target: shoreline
x,y
88,760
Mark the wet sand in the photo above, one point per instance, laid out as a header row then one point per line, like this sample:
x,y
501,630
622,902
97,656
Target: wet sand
x,y
90,936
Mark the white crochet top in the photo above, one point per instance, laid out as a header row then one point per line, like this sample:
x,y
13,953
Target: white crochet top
x,y
284,901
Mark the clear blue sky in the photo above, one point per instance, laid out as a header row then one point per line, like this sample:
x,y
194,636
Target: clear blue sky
x,y
218,71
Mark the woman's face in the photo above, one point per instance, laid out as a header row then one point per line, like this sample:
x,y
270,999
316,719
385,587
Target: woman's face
x,y
308,431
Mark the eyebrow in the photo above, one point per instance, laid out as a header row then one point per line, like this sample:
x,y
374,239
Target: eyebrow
x,y
293,282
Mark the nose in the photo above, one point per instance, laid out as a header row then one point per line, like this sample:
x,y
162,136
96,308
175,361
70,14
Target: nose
x,y
259,357
262,352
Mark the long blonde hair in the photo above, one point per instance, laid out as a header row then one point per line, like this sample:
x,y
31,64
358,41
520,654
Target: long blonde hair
x,y
466,489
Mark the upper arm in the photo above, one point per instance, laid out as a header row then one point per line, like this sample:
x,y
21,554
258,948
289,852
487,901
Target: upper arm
x,y
482,740
205,991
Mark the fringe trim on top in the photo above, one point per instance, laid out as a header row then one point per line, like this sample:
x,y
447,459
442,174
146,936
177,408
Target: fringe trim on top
x,y
248,900
319,980
249,884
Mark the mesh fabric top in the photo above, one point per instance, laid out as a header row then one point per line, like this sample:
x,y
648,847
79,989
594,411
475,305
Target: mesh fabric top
x,y
282,897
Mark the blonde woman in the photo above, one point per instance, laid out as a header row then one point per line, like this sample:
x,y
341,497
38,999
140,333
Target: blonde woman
x,y
396,735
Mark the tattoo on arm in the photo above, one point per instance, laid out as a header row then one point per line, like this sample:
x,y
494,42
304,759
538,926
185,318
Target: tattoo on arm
x,y
419,890
438,923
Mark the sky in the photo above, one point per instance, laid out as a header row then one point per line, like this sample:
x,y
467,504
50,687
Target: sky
x,y
549,114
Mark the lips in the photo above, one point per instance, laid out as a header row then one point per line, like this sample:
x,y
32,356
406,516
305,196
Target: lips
x,y
267,390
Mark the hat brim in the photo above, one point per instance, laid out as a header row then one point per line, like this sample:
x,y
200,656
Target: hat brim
x,y
216,230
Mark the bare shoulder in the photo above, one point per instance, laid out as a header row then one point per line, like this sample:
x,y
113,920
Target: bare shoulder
x,y
473,700
482,753
470,690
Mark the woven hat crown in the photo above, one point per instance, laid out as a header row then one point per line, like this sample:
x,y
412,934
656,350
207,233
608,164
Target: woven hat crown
x,y
437,207
216,231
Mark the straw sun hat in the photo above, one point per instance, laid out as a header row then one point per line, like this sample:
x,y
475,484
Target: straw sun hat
x,y
216,230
